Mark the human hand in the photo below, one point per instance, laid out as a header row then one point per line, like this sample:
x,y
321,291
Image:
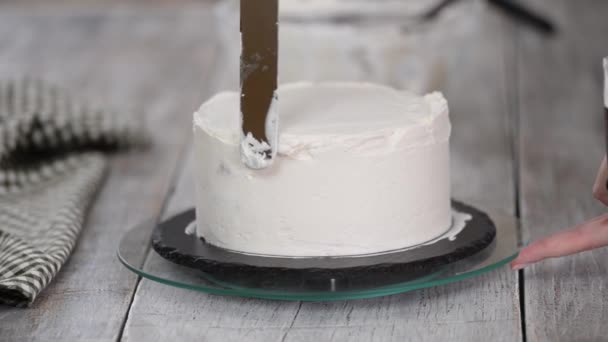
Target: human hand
x,y
600,187
586,236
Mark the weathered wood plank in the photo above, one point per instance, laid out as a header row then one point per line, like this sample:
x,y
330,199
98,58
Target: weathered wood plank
x,y
136,60
485,308
560,105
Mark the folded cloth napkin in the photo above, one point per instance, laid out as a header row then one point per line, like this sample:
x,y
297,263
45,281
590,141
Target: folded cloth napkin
x,y
51,164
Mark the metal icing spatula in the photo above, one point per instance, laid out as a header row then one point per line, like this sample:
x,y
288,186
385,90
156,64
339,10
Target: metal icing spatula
x,y
259,59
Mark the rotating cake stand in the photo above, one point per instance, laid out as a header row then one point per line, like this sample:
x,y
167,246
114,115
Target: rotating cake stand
x,y
487,242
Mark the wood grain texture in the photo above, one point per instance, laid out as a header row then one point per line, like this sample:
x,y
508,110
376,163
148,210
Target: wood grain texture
x,y
560,104
481,309
485,308
136,60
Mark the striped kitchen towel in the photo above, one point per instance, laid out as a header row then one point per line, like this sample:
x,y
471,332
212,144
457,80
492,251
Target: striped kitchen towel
x,y
51,164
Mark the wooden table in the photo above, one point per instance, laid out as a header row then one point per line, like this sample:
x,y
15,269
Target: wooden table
x,y
527,139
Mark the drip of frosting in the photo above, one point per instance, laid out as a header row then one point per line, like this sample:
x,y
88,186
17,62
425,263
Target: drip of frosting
x,y
191,228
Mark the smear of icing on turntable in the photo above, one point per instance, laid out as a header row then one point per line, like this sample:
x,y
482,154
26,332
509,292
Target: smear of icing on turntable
x,y
191,228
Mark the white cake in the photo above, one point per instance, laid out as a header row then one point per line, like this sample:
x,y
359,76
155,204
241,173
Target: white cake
x,y
361,169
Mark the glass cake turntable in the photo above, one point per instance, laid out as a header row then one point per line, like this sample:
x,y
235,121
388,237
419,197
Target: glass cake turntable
x,y
489,241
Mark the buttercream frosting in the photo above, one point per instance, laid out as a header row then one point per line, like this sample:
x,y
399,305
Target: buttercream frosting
x,y
360,169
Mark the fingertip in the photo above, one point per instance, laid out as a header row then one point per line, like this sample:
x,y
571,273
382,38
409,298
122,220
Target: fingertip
x,y
596,192
600,193
518,263
517,267
529,255
513,265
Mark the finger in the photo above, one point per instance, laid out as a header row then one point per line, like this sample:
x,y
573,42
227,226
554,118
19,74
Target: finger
x,y
600,187
589,235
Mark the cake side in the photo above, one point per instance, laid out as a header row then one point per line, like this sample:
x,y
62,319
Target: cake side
x,y
375,183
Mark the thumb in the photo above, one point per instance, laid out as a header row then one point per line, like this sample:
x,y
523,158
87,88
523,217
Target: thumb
x,y
586,236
